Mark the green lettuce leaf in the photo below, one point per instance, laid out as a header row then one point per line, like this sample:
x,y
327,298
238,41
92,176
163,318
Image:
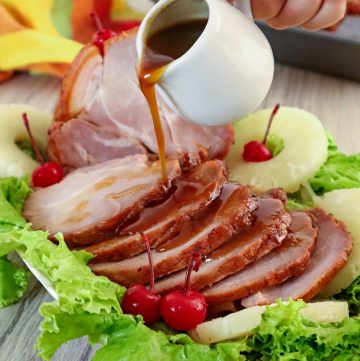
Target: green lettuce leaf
x,y
284,335
80,292
13,193
130,339
351,294
340,171
13,282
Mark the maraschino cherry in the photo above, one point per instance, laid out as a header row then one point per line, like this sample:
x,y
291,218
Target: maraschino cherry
x,y
255,151
138,300
48,173
101,34
186,308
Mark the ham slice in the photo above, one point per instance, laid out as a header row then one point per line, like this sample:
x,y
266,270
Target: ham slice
x,y
333,245
74,153
192,194
266,233
227,215
290,259
104,95
93,202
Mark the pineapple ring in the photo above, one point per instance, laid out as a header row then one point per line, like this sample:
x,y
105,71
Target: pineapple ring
x,y
344,204
304,152
13,161
242,323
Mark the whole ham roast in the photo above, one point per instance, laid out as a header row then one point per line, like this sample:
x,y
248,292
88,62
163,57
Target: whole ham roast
x,y
103,115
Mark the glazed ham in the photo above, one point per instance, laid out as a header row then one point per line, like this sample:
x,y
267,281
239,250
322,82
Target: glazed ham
x,y
230,213
290,259
92,202
192,194
265,234
333,245
102,101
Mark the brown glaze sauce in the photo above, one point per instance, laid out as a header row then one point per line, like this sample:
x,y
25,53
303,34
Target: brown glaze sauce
x,y
161,48
265,216
201,223
192,188
183,194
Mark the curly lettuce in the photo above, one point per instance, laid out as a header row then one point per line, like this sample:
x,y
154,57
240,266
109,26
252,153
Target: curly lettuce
x,y
13,282
340,171
284,335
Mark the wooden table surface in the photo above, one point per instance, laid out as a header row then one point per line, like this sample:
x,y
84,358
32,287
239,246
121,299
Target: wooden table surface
x,y
335,101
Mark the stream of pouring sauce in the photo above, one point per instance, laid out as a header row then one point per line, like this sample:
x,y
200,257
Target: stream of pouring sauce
x,y
162,48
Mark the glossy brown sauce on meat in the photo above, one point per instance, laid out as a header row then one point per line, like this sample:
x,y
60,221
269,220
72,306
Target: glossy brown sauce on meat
x,y
200,224
300,225
163,47
264,217
183,194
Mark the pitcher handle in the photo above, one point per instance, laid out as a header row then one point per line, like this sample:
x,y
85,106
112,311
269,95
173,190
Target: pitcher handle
x,y
245,7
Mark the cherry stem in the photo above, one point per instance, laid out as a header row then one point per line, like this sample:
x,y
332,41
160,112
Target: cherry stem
x,y
194,264
33,142
274,112
97,21
151,264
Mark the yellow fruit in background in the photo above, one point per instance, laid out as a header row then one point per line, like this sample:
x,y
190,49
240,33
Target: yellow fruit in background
x,y
304,152
35,14
344,204
39,48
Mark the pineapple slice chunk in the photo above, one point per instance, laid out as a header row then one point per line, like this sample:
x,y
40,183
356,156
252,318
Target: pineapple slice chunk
x,y
243,322
304,152
13,161
344,204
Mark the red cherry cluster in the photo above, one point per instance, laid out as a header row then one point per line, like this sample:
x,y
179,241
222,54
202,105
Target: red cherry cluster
x,y
255,151
101,34
181,309
48,173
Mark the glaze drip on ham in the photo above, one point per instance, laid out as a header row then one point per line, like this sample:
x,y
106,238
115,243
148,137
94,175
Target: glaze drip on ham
x,y
230,213
333,245
191,196
266,233
102,101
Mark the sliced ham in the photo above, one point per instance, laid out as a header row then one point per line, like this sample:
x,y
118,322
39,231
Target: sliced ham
x,y
74,153
106,97
290,259
227,215
333,245
93,202
266,233
193,193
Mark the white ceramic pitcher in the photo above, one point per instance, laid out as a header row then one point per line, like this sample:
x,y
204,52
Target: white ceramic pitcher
x,y
227,72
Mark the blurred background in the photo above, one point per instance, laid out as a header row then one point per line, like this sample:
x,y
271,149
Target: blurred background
x,y
44,36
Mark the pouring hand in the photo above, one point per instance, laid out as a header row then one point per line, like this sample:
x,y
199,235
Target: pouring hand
x,y
310,14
